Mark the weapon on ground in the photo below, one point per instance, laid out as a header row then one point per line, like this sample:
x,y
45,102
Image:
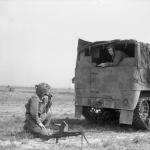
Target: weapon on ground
x,y
63,132
58,135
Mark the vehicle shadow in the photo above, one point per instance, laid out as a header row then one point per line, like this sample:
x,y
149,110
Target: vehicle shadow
x,y
82,124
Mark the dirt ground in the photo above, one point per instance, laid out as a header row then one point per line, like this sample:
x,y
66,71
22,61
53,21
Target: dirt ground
x,y
100,137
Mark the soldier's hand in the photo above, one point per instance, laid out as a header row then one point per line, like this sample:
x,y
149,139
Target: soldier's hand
x,y
102,65
41,125
45,99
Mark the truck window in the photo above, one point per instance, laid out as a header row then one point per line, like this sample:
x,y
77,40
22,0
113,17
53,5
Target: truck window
x,y
100,54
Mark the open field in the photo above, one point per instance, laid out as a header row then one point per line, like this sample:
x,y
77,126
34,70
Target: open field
x,y
100,137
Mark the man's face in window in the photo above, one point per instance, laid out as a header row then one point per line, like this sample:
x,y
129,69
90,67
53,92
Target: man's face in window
x,y
110,51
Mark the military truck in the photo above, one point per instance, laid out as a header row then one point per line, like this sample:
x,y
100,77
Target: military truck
x,y
121,91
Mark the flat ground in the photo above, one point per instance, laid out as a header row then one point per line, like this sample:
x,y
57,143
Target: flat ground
x,y
100,137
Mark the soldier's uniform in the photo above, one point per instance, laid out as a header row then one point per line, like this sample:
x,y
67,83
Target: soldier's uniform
x,y
38,112
119,56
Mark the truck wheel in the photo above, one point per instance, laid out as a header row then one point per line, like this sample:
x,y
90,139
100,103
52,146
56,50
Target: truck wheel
x,y
141,117
91,114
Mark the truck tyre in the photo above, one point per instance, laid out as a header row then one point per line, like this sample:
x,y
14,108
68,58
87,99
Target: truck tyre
x,y
141,117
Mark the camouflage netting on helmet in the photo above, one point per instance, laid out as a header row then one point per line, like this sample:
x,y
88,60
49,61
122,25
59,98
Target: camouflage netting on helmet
x,y
42,89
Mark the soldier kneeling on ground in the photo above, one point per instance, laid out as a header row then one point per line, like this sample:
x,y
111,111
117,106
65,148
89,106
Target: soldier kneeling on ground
x,y
38,114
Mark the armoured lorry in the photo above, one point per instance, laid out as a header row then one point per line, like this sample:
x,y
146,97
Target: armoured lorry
x,y
121,91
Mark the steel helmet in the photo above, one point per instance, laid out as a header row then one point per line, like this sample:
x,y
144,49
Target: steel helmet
x,y
43,89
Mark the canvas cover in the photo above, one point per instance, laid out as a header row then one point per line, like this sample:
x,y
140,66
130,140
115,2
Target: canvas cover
x,y
144,63
128,46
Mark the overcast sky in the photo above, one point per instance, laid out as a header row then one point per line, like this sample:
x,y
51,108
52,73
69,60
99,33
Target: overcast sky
x,y
38,38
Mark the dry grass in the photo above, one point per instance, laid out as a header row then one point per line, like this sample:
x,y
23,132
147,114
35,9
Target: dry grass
x,y
100,137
